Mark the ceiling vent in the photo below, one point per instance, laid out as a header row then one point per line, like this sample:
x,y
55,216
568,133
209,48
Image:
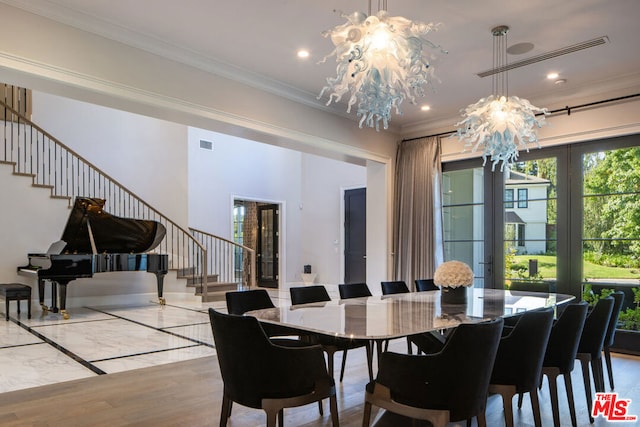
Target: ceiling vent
x,y
543,57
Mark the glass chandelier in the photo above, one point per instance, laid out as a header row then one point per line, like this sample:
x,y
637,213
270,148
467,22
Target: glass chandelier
x,y
380,63
500,124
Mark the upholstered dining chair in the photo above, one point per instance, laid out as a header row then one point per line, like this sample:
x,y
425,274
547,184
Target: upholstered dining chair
x,y
618,300
423,285
450,385
239,302
394,287
518,365
331,345
353,290
561,355
260,374
591,346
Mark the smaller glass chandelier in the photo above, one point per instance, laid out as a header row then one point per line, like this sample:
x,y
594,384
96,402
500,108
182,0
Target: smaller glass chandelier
x,y
500,124
380,62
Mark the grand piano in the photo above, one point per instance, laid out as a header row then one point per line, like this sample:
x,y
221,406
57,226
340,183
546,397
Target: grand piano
x,y
95,241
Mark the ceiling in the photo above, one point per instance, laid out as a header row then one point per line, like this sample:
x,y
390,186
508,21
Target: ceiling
x,y
255,41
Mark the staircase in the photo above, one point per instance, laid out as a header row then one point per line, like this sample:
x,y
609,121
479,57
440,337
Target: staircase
x,y
209,264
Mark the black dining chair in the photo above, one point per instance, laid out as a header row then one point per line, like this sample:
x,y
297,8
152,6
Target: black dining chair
x,y
260,374
394,287
618,301
353,290
591,346
518,365
561,355
331,345
239,302
423,285
443,387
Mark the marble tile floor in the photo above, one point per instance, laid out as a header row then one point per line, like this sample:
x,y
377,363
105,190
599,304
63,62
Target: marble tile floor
x,y
98,340
104,339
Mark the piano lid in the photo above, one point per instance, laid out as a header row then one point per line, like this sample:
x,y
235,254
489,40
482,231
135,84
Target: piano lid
x,y
111,234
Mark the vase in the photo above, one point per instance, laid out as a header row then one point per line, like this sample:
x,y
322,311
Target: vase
x,y
453,295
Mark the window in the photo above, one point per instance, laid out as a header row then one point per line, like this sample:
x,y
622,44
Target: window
x,y
508,198
463,218
523,198
521,239
579,230
610,215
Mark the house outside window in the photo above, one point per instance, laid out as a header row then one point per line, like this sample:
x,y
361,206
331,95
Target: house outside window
x,y
526,212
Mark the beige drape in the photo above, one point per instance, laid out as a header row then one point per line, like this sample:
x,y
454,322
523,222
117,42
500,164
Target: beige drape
x,y
418,210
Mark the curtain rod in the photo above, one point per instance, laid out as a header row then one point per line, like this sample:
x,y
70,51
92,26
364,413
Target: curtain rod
x,y
566,109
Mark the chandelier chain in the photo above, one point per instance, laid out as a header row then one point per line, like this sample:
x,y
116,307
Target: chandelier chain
x,y
382,5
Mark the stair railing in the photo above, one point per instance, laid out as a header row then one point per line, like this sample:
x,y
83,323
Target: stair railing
x,y
34,152
232,262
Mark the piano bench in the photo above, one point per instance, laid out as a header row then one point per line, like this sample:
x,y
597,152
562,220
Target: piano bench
x,y
15,292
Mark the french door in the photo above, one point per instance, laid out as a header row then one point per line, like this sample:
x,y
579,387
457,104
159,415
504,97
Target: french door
x,y
268,254
503,224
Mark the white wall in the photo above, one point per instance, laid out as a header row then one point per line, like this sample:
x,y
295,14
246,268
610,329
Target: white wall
x,y
146,155
322,234
29,222
307,186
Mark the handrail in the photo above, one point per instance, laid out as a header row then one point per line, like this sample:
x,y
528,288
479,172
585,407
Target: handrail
x,y
33,151
228,266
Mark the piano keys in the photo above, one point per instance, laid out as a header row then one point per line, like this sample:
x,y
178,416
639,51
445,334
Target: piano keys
x,y
97,242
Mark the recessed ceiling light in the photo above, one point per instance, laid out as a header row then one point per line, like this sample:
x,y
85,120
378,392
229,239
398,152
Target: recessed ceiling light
x,y
552,76
302,53
425,108
560,81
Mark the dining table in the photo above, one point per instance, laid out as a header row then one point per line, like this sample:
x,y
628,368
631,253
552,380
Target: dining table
x,y
384,317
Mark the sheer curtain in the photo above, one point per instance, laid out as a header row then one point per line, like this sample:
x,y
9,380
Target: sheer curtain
x,y
418,210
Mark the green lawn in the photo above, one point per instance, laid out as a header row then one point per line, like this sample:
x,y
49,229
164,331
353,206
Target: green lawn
x,y
547,268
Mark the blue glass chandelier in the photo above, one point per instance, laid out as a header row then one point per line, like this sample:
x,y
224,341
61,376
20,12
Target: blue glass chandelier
x,y
380,63
500,124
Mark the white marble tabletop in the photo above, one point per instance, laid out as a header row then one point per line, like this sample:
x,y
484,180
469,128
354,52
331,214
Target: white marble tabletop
x,y
393,316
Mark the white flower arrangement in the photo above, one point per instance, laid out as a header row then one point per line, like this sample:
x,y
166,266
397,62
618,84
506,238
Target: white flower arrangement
x,y
453,274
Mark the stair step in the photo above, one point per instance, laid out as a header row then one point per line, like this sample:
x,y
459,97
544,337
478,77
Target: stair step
x,y
214,297
217,287
43,186
28,175
193,281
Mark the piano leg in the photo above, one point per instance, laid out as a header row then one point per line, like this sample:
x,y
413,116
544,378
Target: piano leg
x,y
54,296
41,295
160,281
63,300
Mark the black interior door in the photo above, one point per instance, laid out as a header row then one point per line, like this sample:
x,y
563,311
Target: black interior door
x,y
355,226
267,257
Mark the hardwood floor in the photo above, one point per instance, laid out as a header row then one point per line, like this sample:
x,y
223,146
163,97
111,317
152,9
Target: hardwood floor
x,y
189,394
